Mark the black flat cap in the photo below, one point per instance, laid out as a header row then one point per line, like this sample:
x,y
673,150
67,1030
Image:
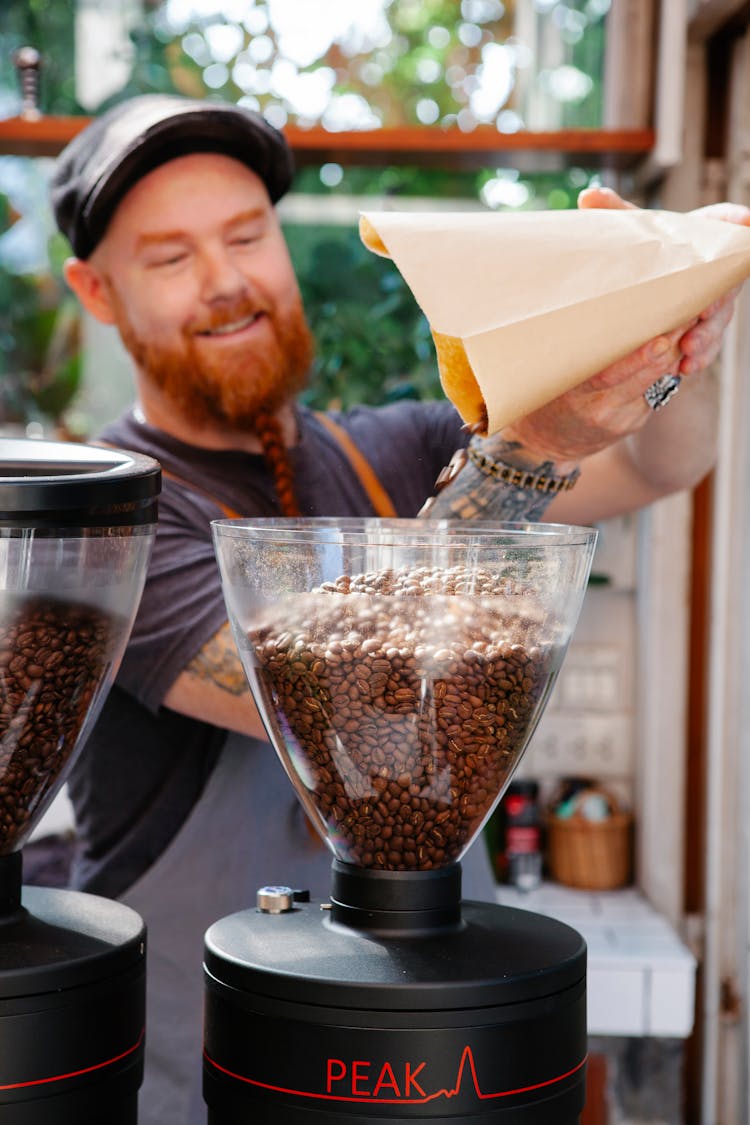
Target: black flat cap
x,y
120,147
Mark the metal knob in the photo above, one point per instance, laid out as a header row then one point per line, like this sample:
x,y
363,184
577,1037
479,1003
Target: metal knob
x,y
275,900
28,61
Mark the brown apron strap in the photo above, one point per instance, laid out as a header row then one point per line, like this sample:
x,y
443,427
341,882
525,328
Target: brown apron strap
x,y
380,499
189,484
228,512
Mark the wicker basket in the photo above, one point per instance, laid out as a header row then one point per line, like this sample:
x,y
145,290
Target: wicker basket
x,y
592,855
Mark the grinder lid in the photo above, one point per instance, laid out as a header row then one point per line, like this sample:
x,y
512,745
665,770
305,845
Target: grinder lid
x,y
501,955
55,483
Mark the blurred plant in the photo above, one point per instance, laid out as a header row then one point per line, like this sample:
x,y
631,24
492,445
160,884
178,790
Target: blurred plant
x,y
49,26
40,364
380,62
373,344
39,345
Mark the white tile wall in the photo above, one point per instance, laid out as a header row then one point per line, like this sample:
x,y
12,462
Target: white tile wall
x,y
641,976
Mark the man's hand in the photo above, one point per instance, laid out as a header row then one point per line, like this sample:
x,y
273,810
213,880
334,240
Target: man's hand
x,y
610,405
629,456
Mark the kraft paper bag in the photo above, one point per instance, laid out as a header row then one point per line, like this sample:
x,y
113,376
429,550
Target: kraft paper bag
x,y
524,306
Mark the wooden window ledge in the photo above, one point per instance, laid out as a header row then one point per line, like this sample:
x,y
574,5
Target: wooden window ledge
x,y
448,148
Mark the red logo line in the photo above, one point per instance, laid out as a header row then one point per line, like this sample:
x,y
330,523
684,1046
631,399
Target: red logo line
x,y
466,1058
77,1073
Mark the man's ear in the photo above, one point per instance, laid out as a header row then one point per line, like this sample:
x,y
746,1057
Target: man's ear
x,y
89,287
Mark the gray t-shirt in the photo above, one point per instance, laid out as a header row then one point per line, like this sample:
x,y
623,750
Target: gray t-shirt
x,y
144,766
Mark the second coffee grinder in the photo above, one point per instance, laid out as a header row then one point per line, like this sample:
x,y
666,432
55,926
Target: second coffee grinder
x,y
77,524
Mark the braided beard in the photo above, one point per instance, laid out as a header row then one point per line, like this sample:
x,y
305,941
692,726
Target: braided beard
x,y
236,387
279,465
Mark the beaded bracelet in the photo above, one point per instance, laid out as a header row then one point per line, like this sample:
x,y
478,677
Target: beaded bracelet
x,y
522,478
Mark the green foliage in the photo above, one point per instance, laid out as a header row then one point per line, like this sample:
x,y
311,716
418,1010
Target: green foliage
x,y
424,69
39,349
49,26
164,62
373,343
404,180
587,54
40,368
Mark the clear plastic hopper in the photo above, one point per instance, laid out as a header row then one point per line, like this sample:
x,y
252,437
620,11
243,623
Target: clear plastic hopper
x,y
401,666
75,539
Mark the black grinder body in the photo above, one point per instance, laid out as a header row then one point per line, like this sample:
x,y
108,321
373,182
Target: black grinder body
x,y
72,1008
311,1022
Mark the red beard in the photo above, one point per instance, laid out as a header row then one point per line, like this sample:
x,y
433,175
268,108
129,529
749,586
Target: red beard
x,y
233,388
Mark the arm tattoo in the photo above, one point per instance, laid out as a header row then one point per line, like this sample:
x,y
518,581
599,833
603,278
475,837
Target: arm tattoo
x,y
463,491
218,663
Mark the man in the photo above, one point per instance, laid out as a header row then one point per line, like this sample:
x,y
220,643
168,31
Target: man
x,y
182,810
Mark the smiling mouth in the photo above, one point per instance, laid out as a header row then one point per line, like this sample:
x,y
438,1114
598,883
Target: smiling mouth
x,y
232,326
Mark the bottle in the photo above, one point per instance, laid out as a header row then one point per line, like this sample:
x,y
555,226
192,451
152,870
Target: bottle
x,y
522,843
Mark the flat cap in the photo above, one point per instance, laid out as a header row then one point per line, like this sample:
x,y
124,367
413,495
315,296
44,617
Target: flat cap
x,y
103,162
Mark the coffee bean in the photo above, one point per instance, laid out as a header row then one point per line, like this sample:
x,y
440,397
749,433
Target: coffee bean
x,y
403,703
46,695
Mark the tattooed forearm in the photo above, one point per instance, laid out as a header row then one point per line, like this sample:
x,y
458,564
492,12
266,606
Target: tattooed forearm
x,y
218,663
473,495
466,491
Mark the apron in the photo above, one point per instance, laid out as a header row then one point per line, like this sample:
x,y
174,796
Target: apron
x,y
247,830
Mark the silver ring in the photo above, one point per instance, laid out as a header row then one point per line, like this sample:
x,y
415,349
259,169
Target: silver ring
x,y
660,392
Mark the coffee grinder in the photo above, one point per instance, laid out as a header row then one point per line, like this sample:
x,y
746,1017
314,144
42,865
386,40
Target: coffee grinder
x,y
400,668
76,530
